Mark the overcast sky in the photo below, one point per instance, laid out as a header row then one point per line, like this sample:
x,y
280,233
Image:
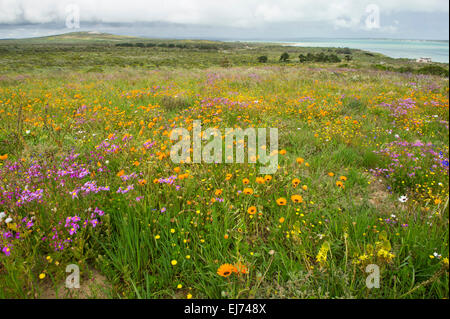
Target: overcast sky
x,y
230,19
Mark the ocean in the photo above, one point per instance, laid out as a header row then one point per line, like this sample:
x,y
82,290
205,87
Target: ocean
x,y
438,51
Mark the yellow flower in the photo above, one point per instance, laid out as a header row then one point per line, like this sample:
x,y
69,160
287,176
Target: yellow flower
x,y
179,286
445,261
189,296
321,257
173,262
42,276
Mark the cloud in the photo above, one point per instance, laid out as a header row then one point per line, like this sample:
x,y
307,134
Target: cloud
x,y
230,13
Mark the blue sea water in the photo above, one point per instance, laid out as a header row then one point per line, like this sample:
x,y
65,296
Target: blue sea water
x,y
438,51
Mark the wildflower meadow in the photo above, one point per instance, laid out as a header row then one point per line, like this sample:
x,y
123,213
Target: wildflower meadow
x,y
356,207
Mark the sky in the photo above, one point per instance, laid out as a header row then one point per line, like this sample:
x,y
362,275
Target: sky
x,y
229,20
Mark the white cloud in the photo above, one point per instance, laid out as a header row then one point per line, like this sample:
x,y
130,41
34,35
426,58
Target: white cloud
x,y
238,13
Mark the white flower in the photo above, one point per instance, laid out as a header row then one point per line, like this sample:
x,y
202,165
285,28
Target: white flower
x,y
403,199
397,136
2,215
393,216
106,162
28,131
8,220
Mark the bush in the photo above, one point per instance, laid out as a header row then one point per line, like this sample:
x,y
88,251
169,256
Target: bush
x,y
262,59
343,51
433,70
320,57
284,57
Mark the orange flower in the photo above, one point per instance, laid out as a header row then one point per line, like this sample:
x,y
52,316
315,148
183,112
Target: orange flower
x,y
218,192
281,201
120,173
136,163
305,188
241,268
281,220
267,178
331,174
176,169
340,184
245,181
228,177
343,178
297,199
155,181
283,152
260,180
251,210
142,182
3,157
300,160
295,182
248,191
226,270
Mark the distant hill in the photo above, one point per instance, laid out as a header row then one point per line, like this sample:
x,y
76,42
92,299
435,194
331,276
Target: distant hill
x,y
77,37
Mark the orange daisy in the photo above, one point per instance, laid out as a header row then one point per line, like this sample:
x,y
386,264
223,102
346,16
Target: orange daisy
x,y
297,199
226,270
252,210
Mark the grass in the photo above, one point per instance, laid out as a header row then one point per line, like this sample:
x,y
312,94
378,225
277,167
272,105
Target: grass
x,y
356,139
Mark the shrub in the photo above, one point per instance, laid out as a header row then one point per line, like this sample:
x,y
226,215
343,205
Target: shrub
x,y
262,59
433,70
284,57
